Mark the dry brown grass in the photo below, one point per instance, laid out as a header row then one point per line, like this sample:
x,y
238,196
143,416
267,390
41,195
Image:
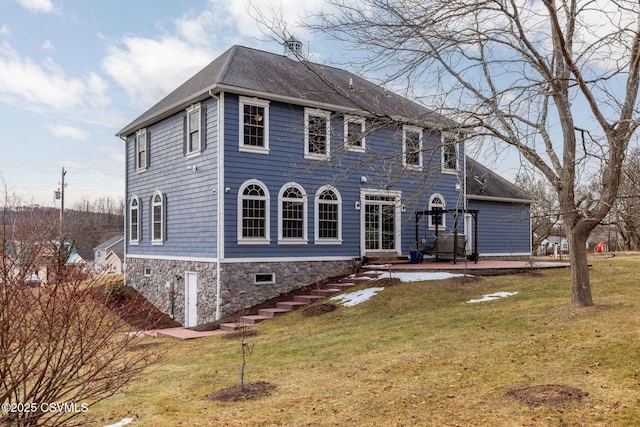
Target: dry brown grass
x,y
416,354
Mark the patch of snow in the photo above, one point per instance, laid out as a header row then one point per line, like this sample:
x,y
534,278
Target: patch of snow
x,y
355,298
492,297
419,276
121,423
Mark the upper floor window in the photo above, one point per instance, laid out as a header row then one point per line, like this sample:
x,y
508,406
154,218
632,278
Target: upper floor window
x,y
316,134
253,213
354,131
254,130
436,203
450,154
193,130
328,219
412,147
292,210
134,220
142,150
158,218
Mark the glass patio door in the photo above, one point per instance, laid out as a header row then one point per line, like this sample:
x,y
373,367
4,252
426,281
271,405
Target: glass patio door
x,y
380,223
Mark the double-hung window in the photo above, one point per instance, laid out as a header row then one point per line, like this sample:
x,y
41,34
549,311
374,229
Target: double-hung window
x,y
354,131
412,148
292,209
134,220
253,213
158,218
316,134
449,154
193,130
328,218
141,150
254,129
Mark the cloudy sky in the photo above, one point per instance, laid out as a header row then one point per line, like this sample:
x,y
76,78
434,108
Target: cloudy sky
x,y
74,72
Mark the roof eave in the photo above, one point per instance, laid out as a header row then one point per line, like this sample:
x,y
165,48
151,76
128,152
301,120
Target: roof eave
x,y
499,199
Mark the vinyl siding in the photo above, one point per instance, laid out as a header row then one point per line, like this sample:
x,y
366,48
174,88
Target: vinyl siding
x,y
381,164
503,228
190,199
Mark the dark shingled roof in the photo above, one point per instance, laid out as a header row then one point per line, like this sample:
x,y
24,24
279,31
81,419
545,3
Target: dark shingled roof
x,y
482,181
253,72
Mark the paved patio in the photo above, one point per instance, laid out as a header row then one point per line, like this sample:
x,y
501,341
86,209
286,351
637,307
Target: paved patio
x,y
482,267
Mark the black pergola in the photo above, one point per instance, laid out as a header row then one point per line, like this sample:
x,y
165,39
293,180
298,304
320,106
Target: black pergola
x,y
456,213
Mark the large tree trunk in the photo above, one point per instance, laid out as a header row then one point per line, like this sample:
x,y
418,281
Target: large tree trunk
x,y
580,284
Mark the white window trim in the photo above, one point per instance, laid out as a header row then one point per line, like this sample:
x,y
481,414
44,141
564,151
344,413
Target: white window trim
x,y
316,225
431,225
267,232
305,229
405,130
349,144
163,218
444,138
269,282
398,217
194,109
319,113
134,240
141,134
258,103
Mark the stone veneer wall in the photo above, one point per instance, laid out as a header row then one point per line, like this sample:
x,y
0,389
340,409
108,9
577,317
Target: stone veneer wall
x,y
153,287
238,287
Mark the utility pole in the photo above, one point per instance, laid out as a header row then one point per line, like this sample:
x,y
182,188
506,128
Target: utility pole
x,y
60,195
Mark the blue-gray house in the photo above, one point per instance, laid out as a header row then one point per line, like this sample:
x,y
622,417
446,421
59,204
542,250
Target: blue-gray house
x,y
262,173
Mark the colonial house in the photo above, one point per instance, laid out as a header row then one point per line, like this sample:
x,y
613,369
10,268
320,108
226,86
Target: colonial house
x,y
263,173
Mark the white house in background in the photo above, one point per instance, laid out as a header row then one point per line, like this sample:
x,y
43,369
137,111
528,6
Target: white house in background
x,y
101,251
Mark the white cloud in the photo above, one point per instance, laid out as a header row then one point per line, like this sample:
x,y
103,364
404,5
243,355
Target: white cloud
x,y
62,131
45,6
25,81
4,30
148,69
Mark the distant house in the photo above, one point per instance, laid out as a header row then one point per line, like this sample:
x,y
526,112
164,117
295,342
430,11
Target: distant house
x,y
116,243
256,177
114,262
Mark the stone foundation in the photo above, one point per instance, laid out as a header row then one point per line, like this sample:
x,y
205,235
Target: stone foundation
x,y
239,287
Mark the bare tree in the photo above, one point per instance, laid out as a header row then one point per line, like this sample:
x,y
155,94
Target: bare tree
x,y
61,349
556,80
544,212
626,213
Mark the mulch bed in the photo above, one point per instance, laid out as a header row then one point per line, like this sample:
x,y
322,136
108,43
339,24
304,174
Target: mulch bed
x,y
549,394
135,310
237,393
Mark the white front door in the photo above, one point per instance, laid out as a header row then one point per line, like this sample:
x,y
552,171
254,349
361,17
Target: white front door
x,y
190,299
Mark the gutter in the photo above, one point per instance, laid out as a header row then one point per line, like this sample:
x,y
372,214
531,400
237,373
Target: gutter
x,y
499,199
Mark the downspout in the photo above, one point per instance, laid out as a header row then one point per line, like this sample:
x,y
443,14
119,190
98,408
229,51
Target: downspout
x,y
220,194
126,209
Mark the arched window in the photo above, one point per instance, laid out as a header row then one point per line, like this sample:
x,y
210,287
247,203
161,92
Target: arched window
x,y
253,213
158,218
328,218
436,203
134,220
292,212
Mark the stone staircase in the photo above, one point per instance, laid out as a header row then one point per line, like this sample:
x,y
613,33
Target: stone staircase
x,y
288,306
